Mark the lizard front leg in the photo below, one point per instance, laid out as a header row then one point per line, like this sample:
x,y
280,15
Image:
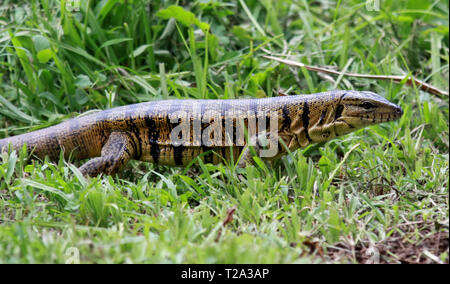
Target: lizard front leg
x,y
115,154
265,146
275,151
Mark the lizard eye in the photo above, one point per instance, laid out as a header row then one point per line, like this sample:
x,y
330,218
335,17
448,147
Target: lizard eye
x,y
367,105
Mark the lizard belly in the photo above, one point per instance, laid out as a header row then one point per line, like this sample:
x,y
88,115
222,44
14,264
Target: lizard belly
x,y
183,155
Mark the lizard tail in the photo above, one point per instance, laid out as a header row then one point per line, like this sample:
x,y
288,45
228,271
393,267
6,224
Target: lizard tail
x,y
40,143
74,138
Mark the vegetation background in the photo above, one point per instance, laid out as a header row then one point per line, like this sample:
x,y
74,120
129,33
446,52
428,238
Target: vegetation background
x,y
377,195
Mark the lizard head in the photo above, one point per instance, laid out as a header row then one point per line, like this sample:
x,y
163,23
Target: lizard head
x,y
349,111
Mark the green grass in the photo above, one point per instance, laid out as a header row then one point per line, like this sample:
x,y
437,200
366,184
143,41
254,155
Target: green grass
x,y
390,194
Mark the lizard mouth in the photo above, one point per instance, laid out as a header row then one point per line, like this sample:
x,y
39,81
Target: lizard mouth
x,y
369,119
380,117
394,114
386,116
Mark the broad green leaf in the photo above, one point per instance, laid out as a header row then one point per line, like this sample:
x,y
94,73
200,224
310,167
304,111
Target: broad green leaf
x,y
45,55
82,81
115,41
40,43
181,15
138,51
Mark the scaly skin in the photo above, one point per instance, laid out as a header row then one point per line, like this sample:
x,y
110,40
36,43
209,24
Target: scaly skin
x,y
143,131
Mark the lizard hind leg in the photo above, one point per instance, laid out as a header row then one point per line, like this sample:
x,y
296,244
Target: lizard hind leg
x,y
116,153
